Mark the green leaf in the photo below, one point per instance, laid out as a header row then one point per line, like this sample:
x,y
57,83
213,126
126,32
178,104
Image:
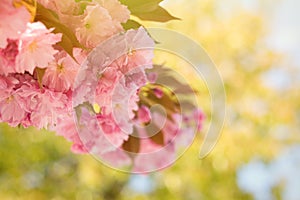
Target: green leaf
x,y
50,19
84,105
137,6
148,10
158,15
40,74
132,145
168,100
78,113
131,24
158,137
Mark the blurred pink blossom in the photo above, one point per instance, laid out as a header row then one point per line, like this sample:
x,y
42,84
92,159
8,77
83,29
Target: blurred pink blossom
x,y
13,21
144,114
8,57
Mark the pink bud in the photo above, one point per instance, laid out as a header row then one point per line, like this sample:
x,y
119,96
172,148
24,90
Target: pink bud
x,y
144,114
158,92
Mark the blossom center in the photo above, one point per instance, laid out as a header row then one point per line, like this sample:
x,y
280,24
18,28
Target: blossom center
x,y
87,26
131,52
10,99
60,67
33,46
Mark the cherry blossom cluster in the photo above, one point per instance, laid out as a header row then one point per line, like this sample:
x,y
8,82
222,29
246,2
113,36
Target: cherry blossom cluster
x,y
28,47
90,98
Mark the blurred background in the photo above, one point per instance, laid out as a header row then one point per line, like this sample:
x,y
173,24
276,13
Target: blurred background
x,y
255,45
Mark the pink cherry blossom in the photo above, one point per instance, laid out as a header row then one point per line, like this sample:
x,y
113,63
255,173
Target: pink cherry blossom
x,y
13,21
118,12
101,20
8,57
124,101
134,57
51,105
99,134
117,81
170,128
96,26
7,85
42,107
105,60
66,6
66,127
36,48
109,77
60,74
112,131
152,156
11,110
105,86
10,105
